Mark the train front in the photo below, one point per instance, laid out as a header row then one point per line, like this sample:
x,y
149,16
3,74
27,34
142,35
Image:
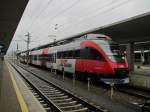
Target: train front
x,y
117,65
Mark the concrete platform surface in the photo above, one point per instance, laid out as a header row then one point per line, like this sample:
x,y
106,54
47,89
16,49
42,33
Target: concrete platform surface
x,y
15,96
140,77
8,98
32,103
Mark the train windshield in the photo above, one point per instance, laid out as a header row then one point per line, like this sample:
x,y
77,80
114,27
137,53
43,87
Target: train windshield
x,y
113,52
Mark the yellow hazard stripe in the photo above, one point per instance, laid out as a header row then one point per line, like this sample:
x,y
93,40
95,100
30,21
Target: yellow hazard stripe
x,y
18,93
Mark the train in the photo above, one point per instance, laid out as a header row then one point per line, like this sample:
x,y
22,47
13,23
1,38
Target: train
x,y
92,55
142,57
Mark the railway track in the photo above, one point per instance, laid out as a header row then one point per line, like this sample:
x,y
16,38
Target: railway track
x,y
54,98
137,92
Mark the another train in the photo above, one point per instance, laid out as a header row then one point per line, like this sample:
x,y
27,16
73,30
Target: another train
x,y
91,55
142,57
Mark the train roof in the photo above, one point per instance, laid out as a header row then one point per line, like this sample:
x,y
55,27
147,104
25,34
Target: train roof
x,y
68,40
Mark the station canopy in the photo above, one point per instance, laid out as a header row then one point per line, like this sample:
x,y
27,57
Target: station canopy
x,y
11,12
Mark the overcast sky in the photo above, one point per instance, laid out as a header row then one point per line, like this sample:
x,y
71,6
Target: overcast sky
x,y
49,19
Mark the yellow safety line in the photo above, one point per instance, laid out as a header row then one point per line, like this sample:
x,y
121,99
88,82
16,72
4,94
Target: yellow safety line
x,y
18,93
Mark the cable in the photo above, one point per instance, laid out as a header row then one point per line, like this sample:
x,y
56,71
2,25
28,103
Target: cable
x,y
56,14
108,9
26,11
118,5
63,11
37,16
96,8
71,6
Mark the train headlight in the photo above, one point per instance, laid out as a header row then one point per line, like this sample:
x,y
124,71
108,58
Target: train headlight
x,y
123,57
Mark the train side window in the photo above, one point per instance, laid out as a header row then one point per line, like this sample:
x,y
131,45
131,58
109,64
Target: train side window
x,y
58,55
32,57
54,58
49,57
35,57
46,57
73,54
65,54
69,54
62,54
40,57
77,54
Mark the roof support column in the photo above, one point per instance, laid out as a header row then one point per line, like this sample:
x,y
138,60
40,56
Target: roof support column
x,y
130,56
148,55
142,56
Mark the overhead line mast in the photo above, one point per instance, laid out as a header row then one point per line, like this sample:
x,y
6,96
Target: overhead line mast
x,y
28,42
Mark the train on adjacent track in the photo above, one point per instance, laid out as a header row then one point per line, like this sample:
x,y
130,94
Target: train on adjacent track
x,y
91,55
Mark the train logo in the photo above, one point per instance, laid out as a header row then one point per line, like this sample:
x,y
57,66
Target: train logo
x,y
63,61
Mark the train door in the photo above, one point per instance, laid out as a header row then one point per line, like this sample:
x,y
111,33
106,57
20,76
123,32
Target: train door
x,y
78,56
54,60
95,63
84,58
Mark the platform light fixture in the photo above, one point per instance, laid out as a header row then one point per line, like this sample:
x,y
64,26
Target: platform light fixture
x,y
1,46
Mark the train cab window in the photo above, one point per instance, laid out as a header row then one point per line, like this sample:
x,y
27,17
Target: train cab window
x,y
94,54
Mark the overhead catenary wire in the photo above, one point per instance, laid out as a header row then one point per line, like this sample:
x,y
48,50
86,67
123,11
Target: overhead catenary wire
x,y
25,29
37,16
58,14
61,12
55,15
80,20
83,19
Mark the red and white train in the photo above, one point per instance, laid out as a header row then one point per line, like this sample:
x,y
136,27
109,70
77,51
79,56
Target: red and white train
x,y
95,55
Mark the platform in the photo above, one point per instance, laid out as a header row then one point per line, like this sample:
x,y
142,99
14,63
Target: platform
x,y
14,94
140,77
8,96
